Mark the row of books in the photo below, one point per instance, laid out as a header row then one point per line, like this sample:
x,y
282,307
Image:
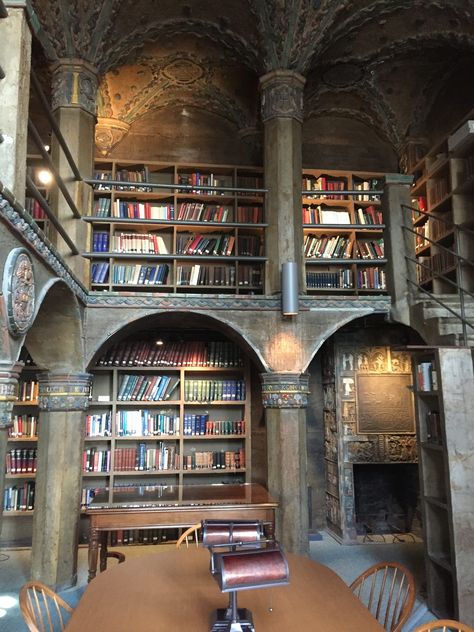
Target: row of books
x,y
21,461
28,390
201,212
143,458
194,353
99,425
209,244
131,209
201,425
215,460
373,278
325,215
426,377
325,183
438,190
198,275
370,248
324,247
33,207
204,391
340,279
141,243
25,426
149,388
95,460
366,186
199,180
19,497
433,427
100,272
146,423
140,274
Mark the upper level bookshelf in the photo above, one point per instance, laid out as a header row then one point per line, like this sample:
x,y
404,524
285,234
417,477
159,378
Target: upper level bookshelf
x,y
204,233
40,175
175,413
343,232
442,196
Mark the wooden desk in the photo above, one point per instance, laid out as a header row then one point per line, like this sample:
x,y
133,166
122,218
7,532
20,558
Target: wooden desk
x,y
150,507
174,591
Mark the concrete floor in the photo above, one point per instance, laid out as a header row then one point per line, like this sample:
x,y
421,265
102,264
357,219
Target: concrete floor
x,y
347,561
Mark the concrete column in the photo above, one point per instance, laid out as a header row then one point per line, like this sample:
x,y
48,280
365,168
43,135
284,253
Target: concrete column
x,y
63,398
285,397
399,243
15,60
9,374
74,90
282,116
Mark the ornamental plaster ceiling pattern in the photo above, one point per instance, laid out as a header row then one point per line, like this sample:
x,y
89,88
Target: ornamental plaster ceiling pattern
x,y
380,62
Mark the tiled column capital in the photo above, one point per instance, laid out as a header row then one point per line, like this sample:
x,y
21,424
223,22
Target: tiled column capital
x,y
64,391
74,84
282,95
285,390
9,374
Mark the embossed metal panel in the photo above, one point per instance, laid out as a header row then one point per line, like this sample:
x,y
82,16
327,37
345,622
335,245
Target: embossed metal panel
x,y
385,404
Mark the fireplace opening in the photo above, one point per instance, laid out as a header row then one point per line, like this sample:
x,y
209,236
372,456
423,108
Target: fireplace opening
x,y
387,499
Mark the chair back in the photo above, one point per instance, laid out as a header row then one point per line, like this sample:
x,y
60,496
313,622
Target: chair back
x,y
388,591
444,625
42,609
191,534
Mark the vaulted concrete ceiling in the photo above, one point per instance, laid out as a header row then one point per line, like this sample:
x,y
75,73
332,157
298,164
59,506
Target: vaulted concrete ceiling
x,y
381,62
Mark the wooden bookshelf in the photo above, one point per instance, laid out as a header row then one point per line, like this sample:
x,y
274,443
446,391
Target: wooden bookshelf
x,y
21,462
187,238
343,233
189,425
443,406
35,163
443,186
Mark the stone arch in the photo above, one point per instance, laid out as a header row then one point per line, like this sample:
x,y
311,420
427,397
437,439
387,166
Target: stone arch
x,y
55,340
177,319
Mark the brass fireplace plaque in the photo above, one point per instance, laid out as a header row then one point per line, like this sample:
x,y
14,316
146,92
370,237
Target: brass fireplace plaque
x,y
385,404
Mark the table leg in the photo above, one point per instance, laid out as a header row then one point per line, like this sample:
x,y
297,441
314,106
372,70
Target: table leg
x,y
93,552
103,552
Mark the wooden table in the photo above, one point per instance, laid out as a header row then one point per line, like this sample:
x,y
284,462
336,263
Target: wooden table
x,y
151,507
174,591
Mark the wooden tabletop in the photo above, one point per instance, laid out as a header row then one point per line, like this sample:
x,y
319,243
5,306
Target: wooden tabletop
x,y
174,590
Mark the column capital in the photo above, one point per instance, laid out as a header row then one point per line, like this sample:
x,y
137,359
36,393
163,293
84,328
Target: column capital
x,y
74,84
9,374
285,390
64,391
282,95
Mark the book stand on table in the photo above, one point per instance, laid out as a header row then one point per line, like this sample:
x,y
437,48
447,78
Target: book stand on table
x,y
245,569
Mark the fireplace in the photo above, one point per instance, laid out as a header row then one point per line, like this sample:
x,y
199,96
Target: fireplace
x,y
386,499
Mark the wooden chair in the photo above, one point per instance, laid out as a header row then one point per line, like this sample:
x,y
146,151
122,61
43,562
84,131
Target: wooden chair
x,y
388,591
443,625
186,535
42,609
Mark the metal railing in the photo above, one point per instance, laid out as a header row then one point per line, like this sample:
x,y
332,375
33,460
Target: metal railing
x,y
461,263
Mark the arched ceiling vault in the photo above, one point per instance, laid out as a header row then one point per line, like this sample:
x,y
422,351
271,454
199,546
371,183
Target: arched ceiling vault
x,y
381,62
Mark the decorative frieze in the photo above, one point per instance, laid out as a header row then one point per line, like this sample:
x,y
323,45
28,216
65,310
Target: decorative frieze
x,y
64,391
74,84
285,390
282,95
9,375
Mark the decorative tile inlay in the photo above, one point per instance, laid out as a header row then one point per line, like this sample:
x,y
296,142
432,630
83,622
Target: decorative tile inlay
x,y
285,390
64,391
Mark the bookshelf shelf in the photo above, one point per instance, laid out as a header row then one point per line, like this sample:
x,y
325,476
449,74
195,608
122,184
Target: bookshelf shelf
x,y
443,405
207,238
206,422
343,232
